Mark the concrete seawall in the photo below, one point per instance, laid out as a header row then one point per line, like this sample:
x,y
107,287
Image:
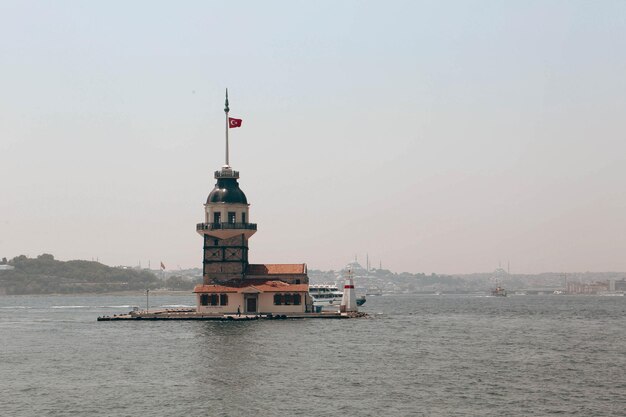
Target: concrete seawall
x,y
193,315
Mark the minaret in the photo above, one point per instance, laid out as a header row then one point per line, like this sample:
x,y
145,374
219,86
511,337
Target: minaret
x,y
226,228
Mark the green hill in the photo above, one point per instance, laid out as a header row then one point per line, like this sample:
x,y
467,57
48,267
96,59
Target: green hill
x,y
46,275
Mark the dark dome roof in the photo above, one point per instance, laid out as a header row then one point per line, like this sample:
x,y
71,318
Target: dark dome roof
x,y
227,191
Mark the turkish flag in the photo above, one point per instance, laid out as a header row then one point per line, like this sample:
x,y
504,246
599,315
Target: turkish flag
x,y
234,122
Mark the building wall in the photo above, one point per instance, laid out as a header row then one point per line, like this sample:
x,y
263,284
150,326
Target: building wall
x,y
224,259
223,208
288,278
234,300
266,304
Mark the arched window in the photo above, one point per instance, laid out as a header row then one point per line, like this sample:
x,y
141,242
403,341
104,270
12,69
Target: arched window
x,y
288,299
204,299
223,299
296,299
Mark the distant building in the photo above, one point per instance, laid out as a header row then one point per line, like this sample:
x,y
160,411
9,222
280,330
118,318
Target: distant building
x,y
583,288
355,268
619,285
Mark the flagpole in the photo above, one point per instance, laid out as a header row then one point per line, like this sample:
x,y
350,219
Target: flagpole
x,y
226,109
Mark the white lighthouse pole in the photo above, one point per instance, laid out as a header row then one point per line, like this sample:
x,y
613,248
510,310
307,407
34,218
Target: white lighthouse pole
x,y
226,109
348,301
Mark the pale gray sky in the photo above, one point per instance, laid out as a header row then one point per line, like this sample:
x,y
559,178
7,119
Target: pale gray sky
x,y
439,136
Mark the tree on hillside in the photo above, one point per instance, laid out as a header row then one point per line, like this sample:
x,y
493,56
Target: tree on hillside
x,y
45,275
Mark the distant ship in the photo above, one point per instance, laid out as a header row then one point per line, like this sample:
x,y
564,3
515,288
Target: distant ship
x,y
373,291
499,274
498,291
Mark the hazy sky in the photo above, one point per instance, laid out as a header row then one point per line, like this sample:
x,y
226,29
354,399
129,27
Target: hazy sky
x,y
437,136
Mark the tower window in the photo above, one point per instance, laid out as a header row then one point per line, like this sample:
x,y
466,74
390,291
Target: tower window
x,y
232,217
243,217
217,217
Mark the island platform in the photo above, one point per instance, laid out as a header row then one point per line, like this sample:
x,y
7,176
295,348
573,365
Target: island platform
x,y
192,314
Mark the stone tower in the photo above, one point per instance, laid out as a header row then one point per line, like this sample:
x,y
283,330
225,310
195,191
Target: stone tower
x,y
226,230
231,285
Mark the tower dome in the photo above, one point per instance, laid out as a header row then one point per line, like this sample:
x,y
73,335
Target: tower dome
x,y
227,189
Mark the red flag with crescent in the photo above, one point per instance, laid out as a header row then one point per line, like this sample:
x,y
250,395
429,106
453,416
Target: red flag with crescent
x,y
234,122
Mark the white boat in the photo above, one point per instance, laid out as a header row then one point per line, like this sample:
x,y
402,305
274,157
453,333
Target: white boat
x,y
325,295
373,290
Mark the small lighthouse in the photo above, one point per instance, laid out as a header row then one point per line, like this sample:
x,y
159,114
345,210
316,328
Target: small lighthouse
x,y
348,301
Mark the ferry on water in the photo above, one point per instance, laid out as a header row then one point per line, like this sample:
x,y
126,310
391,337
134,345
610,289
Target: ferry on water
x,y
498,291
325,295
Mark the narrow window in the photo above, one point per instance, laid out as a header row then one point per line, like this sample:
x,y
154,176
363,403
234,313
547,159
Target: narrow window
x,y
204,299
277,299
296,299
214,299
217,217
216,242
223,299
243,217
232,217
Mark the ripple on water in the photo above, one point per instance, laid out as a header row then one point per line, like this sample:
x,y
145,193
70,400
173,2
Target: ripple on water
x,y
430,356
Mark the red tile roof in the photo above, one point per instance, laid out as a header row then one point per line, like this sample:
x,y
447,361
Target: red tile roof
x,y
279,286
275,269
214,288
251,286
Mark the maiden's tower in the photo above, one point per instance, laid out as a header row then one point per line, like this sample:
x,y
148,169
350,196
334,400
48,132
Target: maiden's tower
x,y
232,285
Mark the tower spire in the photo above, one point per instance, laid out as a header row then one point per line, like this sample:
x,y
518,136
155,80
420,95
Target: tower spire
x,y
226,110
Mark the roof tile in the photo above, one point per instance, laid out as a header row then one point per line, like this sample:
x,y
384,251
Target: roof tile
x,y
250,286
275,269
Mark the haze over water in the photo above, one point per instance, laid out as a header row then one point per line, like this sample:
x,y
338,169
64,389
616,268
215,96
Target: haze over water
x,y
437,136
416,355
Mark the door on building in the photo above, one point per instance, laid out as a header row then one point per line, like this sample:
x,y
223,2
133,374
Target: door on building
x,y
251,305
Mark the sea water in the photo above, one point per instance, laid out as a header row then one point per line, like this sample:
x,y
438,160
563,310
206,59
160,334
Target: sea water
x,y
450,355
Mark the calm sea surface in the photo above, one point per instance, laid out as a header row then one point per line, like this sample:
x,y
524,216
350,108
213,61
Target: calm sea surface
x,y
416,355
